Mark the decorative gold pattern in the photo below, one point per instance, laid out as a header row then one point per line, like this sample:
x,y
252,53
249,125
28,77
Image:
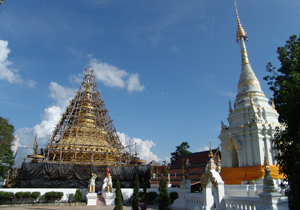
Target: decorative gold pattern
x,y
243,95
232,141
246,126
252,82
245,59
205,177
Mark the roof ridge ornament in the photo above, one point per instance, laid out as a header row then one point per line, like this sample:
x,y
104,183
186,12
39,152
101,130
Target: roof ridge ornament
x,y
240,31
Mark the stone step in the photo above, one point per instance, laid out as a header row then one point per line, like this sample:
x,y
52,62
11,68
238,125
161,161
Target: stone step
x,y
100,201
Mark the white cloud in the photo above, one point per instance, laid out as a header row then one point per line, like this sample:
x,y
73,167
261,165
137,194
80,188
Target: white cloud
x,y
11,75
134,83
142,147
203,149
15,144
49,119
62,95
31,83
108,74
112,76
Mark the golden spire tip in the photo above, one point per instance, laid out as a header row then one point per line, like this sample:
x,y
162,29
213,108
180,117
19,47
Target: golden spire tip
x,y
240,34
210,154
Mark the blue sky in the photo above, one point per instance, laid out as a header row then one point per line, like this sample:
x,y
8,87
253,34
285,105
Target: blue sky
x,y
166,69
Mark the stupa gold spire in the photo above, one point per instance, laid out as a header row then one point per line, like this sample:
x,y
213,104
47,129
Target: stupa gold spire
x,y
240,34
248,82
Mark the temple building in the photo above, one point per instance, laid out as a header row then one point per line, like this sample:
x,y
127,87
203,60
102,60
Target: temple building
x,y
247,140
83,143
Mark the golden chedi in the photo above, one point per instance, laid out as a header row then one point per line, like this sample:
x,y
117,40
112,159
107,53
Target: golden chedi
x,y
85,133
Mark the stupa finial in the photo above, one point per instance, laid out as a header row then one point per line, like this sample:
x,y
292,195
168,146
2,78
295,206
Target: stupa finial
x,y
87,87
210,154
35,145
240,34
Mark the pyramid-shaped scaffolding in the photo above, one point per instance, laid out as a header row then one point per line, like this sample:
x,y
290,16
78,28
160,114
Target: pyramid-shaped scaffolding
x,y
85,133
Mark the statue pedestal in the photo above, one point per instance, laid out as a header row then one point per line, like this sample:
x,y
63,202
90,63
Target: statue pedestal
x,y
270,200
109,198
91,199
180,202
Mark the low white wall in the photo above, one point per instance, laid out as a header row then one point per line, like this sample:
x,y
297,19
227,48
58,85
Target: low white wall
x,y
243,190
65,191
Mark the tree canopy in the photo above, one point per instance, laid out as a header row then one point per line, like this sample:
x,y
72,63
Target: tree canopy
x,y
6,138
285,84
180,150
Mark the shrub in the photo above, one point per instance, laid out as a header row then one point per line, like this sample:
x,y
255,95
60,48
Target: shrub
x,y
35,195
26,195
5,196
51,196
78,195
19,195
141,195
152,196
173,196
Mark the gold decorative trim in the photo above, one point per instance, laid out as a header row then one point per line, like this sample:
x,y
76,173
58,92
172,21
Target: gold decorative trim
x,y
249,108
243,95
249,82
246,126
204,180
232,141
245,59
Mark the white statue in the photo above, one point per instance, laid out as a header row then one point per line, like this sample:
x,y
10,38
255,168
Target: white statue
x,y
104,185
109,183
91,187
183,180
169,180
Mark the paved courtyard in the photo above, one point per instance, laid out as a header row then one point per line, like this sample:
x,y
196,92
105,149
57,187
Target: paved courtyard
x,y
21,207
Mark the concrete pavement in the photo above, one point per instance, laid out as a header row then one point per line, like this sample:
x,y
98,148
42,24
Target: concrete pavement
x,y
68,207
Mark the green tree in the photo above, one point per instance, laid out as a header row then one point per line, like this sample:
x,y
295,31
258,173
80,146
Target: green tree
x,y
164,170
135,199
164,198
6,138
78,195
118,199
285,84
180,150
145,197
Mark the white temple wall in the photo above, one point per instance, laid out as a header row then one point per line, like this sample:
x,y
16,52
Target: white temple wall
x,y
255,142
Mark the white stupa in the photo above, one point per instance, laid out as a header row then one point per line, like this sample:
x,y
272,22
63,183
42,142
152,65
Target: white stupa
x,y
252,121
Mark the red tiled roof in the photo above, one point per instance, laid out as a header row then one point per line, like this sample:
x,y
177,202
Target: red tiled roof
x,y
197,160
194,158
